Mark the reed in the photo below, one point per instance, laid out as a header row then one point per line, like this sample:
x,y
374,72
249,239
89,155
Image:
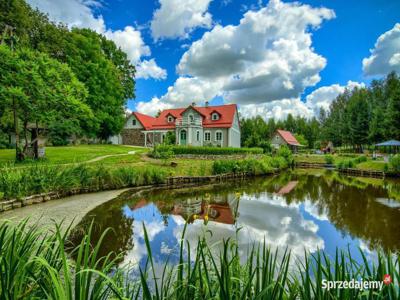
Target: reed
x,y
41,178
36,265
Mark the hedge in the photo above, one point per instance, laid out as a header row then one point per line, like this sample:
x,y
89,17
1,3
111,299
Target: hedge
x,y
177,150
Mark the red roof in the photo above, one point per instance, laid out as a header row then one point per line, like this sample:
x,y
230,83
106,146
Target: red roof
x,y
145,120
288,137
226,117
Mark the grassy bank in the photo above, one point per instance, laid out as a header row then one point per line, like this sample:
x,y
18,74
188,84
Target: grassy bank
x,y
37,267
355,161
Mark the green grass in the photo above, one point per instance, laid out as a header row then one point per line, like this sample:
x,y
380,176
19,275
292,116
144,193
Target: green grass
x,y
371,165
34,265
21,182
309,158
72,154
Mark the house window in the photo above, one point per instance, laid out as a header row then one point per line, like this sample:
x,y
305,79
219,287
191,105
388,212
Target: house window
x,y
218,136
170,119
191,119
207,136
133,122
214,116
198,135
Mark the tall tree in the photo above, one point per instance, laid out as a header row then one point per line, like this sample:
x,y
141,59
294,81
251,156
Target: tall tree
x,y
39,90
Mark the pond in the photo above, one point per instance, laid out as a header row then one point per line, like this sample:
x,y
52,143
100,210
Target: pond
x,y
301,210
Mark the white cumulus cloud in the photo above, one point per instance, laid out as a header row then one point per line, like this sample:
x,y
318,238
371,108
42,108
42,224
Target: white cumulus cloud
x,y
385,56
324,96
152,107
178,18
267,57
264,63
310,107
149,69
80,13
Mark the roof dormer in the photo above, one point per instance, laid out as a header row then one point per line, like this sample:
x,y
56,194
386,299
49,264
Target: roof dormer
x,y
215,116
170,118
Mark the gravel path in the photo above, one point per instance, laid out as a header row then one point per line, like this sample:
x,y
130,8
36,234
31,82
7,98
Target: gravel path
x,y
110,155
69,209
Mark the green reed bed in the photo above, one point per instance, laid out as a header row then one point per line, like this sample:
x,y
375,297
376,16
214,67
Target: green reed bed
x,y
39,178
37,266
261,166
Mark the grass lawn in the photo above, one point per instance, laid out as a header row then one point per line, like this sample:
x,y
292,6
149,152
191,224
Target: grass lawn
x,y
185,167
72,154
371,165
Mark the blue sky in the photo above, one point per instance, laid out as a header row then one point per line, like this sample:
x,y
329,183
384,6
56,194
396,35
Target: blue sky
x,y
300,77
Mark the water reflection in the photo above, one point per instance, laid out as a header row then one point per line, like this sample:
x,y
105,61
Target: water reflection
x,y
295,210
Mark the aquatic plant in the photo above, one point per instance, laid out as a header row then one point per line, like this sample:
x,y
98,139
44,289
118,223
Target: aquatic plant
x,y
36,265
40,178
261,166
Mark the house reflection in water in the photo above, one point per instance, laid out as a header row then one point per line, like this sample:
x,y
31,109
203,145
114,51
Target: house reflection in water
x,y
220,209
287,188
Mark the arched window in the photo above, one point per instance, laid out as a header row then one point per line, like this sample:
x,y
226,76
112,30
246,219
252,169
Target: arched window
x,y
170,119
214,116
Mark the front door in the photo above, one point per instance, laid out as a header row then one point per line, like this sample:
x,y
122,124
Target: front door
x,y
183,135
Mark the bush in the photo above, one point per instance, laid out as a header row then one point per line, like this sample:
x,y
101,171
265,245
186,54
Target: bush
x,y
266,146
177,150
170,138
329,159
286,153
253,166
351,163
4,142
394,163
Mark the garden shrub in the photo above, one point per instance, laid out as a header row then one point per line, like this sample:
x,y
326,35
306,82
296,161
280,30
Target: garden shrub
x,y
286,153
395,163
253,166
329,159
177,150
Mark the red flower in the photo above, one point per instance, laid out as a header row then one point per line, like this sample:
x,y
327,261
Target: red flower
x,y
387,279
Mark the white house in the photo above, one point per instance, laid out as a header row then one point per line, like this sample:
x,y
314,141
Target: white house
x,y
193,125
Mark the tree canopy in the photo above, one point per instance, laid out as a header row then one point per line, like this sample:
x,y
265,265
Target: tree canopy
x,y
97,63
362,116
38,91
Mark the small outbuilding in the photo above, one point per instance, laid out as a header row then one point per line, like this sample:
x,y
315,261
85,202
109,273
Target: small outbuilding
x,y
391,145
283,137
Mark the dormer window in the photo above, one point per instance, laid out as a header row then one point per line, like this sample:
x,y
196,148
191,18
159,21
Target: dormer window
x,y
215,116
170,119
133,122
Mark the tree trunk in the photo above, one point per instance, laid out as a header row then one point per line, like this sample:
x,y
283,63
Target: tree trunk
x,y
18,154
26,138
35,138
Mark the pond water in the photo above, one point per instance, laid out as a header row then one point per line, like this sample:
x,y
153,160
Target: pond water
x,y
300,210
